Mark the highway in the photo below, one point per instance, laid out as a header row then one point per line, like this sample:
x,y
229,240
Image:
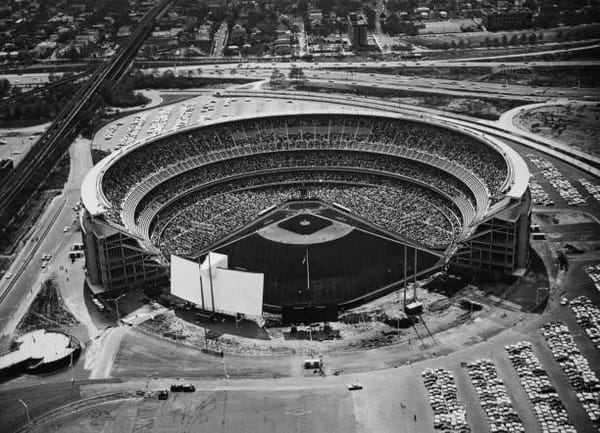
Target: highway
x,y
17,292
328,75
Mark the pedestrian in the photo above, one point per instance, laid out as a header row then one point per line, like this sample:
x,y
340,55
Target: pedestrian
x,y
415,415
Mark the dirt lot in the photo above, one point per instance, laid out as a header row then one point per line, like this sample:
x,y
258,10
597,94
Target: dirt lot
x,y
379,323
576,125
47,311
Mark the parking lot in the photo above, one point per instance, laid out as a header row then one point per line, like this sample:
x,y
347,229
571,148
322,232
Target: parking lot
x,y
575,367
558,181
588,317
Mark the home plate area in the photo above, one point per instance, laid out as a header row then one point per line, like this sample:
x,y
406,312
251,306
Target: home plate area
x,y
305,224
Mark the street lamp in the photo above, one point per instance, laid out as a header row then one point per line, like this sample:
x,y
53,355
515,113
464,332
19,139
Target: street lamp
x,y
26,411
225,372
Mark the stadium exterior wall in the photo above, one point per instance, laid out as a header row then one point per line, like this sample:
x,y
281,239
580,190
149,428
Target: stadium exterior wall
x,y
501,242
116,260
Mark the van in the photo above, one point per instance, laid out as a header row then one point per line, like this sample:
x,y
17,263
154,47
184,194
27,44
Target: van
x,y
75,254
312,363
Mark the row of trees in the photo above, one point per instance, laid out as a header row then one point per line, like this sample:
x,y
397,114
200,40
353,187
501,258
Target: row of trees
x,y
45,106
514,40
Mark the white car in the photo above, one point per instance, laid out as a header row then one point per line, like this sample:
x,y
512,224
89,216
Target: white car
x,y
66,229
8,275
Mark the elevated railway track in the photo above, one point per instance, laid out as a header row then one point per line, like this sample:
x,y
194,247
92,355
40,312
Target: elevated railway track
x,y
27,177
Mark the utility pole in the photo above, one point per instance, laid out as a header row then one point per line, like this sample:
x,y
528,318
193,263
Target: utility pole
x,y
212,294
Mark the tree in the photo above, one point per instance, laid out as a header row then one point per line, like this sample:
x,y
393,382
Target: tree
x,y
504,40
532,38
297,74
4,87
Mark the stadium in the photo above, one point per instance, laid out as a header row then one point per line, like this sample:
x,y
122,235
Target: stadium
x,y
371,199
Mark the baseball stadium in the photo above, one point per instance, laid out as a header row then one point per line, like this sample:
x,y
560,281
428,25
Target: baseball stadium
x,y
333,206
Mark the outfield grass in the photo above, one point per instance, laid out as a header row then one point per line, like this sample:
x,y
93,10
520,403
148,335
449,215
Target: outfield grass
x,y
340,270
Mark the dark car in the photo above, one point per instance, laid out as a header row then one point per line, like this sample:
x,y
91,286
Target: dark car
x,y
189,388
163,394
177,387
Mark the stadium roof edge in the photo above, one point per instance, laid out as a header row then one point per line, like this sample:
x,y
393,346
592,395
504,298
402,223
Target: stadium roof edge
x,y
96,203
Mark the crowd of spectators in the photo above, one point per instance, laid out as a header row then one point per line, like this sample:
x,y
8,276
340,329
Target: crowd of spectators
x,y
309,132
198,220
326,160
307,147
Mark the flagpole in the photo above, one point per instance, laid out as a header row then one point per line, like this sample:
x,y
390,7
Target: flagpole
x,y
308,277
212,295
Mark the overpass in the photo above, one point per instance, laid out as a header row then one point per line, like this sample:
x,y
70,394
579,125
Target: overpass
x,y
27,177
43,88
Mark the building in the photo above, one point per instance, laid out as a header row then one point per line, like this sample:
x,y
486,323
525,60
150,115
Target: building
x,y
507,20
357,31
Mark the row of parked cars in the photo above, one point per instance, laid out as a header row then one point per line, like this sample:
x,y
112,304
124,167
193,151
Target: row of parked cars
x,y
588,317
549,410
133,130
493,397
593,272
592,188
560,183
448,413
158,123
539,196
185,115
577,369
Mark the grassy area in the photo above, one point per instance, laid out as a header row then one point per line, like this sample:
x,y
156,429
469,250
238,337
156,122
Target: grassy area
x,y
171,98
47,310
98,155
